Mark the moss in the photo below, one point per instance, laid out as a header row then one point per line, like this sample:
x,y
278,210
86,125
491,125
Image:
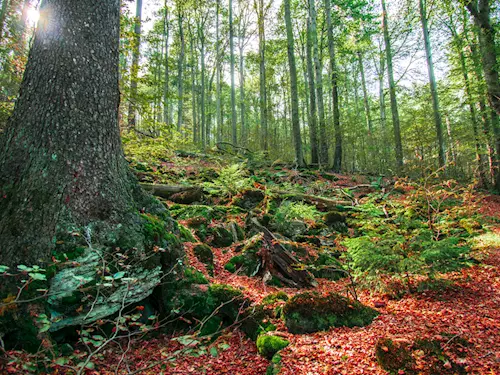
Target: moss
x,y
186,235
193,276
327,266
256,320
393,357
248,261
399,357
268,346
204,254
274,297
311,312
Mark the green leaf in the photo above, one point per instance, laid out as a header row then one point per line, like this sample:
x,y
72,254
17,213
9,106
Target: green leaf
x,y
37,276
118,275
3,268
61,361
213,351
22,267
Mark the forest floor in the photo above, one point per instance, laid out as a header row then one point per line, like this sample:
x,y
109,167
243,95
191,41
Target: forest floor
x,y
460,311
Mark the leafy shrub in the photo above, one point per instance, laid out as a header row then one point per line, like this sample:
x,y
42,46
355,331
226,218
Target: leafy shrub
x,y
268,346
231,181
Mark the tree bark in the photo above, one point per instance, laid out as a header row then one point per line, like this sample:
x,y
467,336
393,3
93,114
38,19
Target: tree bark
x,y
3,16
480,11
61,161
166,33
218,74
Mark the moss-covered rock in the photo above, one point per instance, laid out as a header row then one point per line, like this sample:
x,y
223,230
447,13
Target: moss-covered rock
x,y
256,320
205,255
248,199
186,235
222,237
248,262
222,303
268,345
311,312
275,297
327,266
422,356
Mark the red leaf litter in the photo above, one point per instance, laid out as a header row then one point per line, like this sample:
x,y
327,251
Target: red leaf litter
x,y
469,309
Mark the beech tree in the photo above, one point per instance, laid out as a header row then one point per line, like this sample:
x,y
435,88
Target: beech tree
x,y
62,167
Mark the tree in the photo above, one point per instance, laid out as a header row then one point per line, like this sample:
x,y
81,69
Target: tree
x,y
62,167
432,82
337,157
135,66
323,149
180,66
259,7
392,90
299,157
234,132
480,11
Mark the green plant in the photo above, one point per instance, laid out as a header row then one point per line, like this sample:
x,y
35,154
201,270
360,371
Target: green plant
x,y
231,181
268,345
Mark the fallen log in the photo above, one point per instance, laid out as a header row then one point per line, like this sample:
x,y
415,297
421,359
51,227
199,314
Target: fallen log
x,y
324,204
280,263
175,193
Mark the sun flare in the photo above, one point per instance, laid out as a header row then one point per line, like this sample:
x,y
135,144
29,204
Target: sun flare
x,y
33,16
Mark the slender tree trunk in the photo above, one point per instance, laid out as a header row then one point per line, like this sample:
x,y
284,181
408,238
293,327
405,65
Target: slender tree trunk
x,y
234,129
262,72
299,157
132,109
244,133
194,65
3,15
459,45
337,157
218,74
180,68
313,127
433,85
392,91
201,34
166,105
323,144
366,101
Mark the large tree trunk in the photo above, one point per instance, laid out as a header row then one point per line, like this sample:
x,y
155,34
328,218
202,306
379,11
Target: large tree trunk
x,y
480,10
392,91
135,66
218,74
293,86
337,157
61,160
432,81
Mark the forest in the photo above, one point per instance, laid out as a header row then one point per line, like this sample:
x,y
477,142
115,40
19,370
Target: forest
x,y
250,187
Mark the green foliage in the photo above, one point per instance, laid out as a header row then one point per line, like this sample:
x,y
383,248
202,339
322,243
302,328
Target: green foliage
x,y
268,345
274,297
296,211
311,312
231,181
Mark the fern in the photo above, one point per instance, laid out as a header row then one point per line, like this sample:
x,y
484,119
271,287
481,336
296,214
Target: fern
x,y
231,181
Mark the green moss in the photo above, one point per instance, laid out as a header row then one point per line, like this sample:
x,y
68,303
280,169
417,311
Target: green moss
x,y
327,266
204,254
256,320
268,346
275,367
221,237
311,312
274,297
186,235
393,357
248,261
193,276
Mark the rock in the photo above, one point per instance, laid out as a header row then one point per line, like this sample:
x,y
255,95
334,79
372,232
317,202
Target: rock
x,y
69,288
268,346
311,312
205,255
248,199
